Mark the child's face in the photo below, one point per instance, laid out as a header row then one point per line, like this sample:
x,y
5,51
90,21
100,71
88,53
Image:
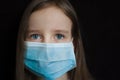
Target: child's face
x,y
49,25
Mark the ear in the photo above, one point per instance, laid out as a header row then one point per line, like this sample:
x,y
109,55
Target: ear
x,y
72,39
72,42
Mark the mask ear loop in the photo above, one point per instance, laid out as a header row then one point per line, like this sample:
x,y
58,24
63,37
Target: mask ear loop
x,y
73,71
72,41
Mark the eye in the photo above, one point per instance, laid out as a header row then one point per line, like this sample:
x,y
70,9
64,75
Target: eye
x,y
35,36
59,36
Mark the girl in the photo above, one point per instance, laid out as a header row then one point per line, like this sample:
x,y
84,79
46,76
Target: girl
x,y
49,43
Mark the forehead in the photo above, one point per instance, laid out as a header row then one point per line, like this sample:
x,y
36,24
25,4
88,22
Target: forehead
x,y
50,17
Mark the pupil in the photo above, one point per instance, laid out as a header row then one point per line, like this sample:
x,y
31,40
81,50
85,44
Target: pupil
x,y
59,36
35,36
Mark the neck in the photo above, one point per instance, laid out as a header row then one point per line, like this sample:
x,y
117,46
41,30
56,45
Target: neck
x,y
64,77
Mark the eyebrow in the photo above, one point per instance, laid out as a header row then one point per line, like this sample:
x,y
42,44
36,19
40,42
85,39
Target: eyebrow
x,y
56,31
30,31
61,31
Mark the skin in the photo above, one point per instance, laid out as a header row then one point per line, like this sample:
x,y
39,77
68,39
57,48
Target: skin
x,y
49,25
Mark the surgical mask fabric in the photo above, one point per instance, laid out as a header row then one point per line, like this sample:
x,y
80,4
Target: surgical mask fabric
x,y
49,60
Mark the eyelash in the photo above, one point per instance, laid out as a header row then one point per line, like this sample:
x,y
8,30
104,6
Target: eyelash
x,y
34,35
58,36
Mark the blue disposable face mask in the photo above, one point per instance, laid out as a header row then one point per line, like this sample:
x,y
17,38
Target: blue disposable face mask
x,y
49,60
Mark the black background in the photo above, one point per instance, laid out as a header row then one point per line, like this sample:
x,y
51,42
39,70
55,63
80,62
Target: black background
x,y
100,23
